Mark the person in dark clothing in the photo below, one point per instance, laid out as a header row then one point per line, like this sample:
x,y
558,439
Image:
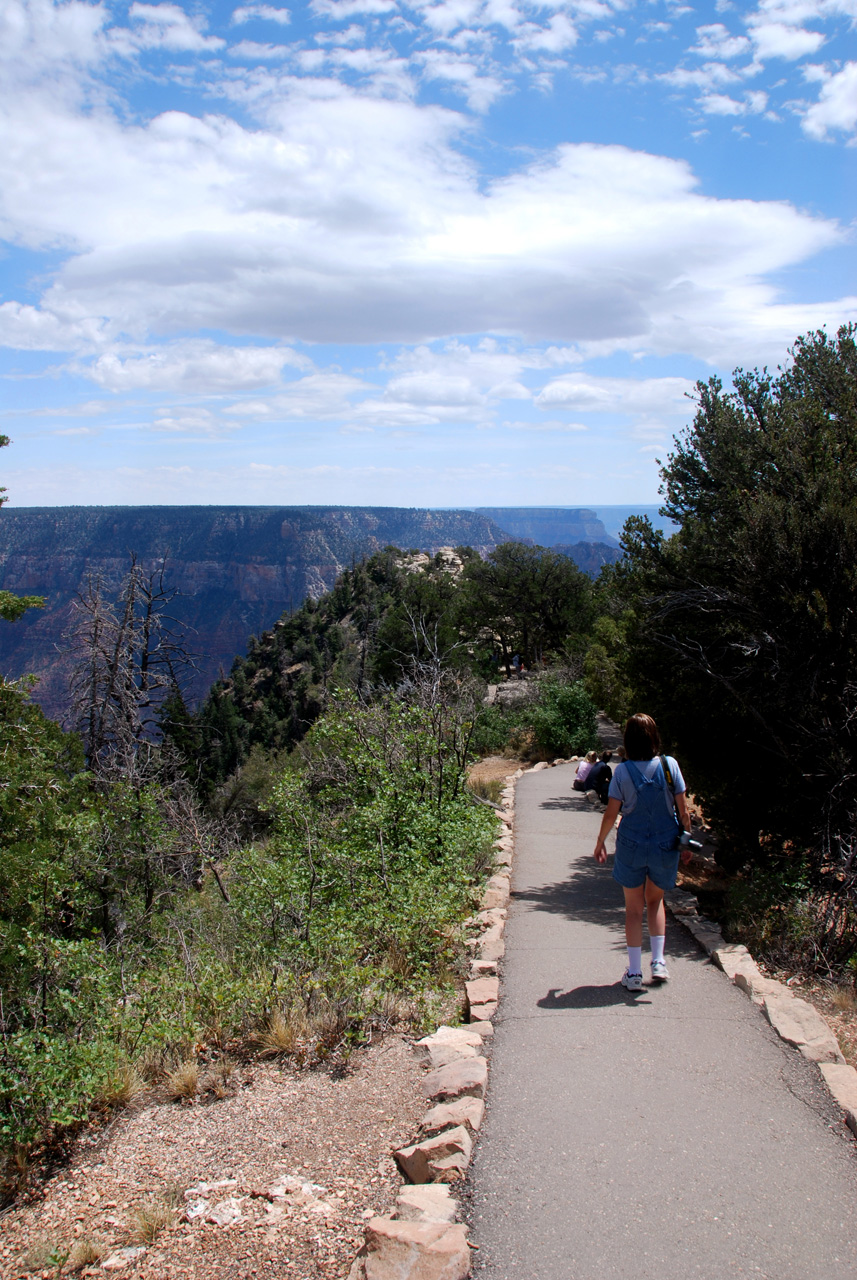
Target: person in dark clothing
x,y
599,777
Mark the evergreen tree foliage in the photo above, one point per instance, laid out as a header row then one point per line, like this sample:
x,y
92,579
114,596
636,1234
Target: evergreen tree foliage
x,y
527,601
743,642
382,621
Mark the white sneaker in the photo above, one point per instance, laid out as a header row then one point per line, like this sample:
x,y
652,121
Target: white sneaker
x,y
632,981
660,973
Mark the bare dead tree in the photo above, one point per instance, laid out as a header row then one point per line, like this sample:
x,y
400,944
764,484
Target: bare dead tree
x,y
130,651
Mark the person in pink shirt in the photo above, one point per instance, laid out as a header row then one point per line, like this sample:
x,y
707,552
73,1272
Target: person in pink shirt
x,y
583,770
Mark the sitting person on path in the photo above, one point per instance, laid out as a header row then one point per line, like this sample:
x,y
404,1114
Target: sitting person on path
x,y
583,771
598,780
650,792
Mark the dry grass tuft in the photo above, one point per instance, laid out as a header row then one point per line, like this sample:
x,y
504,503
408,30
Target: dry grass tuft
x,y
328,1023
122,1087
183,1083
844,999
286,1032
395,1009
397,959
487,788
85,1253
221,1080
152,1217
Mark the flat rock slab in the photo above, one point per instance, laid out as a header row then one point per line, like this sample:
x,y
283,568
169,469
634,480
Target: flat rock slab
x,y
491,915
841,1080
442,1158
458,1035
446,1115
443,1052
798,1023
482,991
749,980
496,892
465,1078
730,958
415,1251
482,1012
431,1202
482,1029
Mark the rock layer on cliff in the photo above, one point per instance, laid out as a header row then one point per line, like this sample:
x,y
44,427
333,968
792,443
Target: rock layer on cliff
x,y
238,568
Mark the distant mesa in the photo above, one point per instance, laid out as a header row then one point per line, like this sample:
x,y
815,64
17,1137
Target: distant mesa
x,y
550,526
591,557
238,568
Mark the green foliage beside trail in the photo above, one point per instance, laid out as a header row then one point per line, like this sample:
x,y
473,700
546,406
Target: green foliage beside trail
x,y
133,928
376,849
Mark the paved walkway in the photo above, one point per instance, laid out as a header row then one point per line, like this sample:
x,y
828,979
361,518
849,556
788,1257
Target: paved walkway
x,y
668,1135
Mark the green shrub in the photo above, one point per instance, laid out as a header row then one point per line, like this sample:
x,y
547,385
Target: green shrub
x,y
787,921
564,718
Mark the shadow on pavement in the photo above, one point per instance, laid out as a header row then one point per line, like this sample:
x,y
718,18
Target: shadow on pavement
x,y
592,997
590,893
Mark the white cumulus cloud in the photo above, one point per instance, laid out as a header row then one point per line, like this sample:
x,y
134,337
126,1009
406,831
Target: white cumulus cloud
x,y
776,40
641,397
196,366
264,11
836,107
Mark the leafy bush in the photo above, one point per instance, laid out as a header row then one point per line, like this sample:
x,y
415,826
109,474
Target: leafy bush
x,y
563,719
376,850
495,727
788,923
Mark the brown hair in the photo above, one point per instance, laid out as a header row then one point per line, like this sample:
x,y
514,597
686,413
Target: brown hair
x,y
642,740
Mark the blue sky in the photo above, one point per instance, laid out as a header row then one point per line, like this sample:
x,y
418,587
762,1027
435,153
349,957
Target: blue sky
x,y
450,252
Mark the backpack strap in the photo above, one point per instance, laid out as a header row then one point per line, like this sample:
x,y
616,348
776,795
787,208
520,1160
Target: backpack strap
x,y
667,773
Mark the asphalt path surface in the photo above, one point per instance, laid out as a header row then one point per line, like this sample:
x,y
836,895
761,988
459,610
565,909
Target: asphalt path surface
x,y
669,1134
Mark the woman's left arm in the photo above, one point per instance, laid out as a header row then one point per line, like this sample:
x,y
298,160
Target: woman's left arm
x,y
684,818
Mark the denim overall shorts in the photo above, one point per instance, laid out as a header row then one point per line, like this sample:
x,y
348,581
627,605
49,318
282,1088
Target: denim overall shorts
x,y
647,839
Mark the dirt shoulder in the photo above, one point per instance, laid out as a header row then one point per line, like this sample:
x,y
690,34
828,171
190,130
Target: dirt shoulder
x,y
321,1143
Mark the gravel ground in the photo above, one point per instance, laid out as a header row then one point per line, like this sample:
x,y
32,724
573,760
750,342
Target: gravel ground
x,y
491,768
304,1158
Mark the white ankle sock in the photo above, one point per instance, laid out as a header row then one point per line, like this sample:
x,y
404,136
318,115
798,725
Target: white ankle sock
x,y
635,959
657,947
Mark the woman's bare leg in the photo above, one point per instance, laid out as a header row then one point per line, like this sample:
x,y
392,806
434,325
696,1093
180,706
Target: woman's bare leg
x,y
656,910
635,900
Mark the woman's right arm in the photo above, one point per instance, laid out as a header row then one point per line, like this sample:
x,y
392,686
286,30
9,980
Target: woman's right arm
x,y
611,813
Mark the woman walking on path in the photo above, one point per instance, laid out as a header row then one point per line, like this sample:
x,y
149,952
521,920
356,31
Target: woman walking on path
x,y
650,792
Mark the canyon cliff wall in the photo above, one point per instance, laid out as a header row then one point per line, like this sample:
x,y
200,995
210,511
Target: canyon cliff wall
x,y
237,568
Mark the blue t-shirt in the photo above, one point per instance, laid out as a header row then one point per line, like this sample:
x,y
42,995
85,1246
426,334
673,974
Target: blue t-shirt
x,y
622,783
